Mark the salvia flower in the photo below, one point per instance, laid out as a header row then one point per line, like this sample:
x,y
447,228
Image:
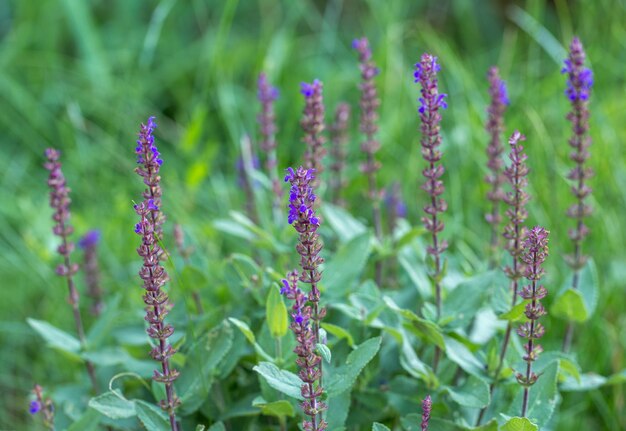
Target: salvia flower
x,y
534,255
60,203
309,361
302,216
338,151
427,406
42,406
88,243
267,95
495,178
431,101
369,104
313,126
152,272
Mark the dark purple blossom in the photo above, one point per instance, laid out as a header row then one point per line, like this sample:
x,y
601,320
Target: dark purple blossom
x,y
427,406
579,78
89,244
34,407
152,272
339,140
534,255
313,126
42,406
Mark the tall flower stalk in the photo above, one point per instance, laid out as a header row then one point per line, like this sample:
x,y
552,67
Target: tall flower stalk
x,y
313,126
579,83
338,151
152,272
495,178
302,216
514,233
60,203
431,101
43,406
369,116
89,244
267,95
534,255
427,406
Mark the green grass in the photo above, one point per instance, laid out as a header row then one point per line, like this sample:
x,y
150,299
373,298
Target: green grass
x,y
81,76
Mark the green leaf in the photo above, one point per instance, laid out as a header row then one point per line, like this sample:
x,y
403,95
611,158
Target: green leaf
x,y
200,428
339,332
421,327
379,427
192,278
458,353
324,352
152,417
217,426
519,424
462,302
112,404
54,336
515,314
413,266
279,409
89,421
588,285
342,222
345,266
579,304
473,393
247,332
586,382
543,396
283,381
570,305
338,410
276,313
345,376
102,326
413,421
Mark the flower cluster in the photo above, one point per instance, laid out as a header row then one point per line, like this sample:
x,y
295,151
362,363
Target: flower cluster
x,y
88,243
430,103
152,272
495,127
534,255
339,140
267,95
43,406
427,406
579,83
309,361
313,126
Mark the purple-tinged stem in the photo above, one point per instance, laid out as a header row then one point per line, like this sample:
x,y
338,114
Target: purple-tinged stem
x,y
152,272
427,406
60,203
313,126
369,116
339,140
431,101
534,255
579,83
496,178
89,244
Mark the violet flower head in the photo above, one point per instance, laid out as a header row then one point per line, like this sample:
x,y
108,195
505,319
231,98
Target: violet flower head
x,y
267,95
42,406
427,406
579,78
495,127
534,255
34,407
338,151
431,102
313,126
152,272
88,243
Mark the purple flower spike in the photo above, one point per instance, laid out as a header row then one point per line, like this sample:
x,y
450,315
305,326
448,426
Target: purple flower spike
x,y
152,272
495,178
427,406
42,406
534,255
313,126
88,243
339,138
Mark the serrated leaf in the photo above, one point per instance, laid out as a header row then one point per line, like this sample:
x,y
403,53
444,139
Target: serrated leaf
x,y
247,332
458,353
570,305
324,352
339,332
515,314
379,427
342,222
345,376
460,305
345,266
112,404
89,421
421,327
283,381
519,424
473,393
276,313
543,396
586,382
54,336
279,409
217,426
152,417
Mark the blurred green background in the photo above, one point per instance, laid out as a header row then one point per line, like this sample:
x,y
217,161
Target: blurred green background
x,y
81,75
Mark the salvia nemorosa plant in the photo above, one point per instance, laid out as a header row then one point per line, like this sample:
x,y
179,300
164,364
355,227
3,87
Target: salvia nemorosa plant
x,y
267,95
302,216
313,126
89,244
514,233
185,252
43,406
338,152
427,405
60,203
152,272
431,101
369,104
579,83
495,178
534,255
